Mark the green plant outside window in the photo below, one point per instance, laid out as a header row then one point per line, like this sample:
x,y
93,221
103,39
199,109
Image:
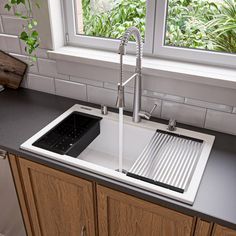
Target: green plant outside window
x,y
199,24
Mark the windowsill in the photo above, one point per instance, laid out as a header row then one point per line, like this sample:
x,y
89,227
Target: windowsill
x,y
204,74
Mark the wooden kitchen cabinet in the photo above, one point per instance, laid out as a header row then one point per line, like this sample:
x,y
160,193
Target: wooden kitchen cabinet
x,y
203,228
219,230
120,214
54,203
57,204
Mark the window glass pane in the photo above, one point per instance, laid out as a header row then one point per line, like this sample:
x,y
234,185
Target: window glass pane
x,y
202,24
109,18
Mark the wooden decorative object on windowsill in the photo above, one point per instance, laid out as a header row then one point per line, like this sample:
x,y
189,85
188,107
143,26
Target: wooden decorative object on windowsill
x,y
12,70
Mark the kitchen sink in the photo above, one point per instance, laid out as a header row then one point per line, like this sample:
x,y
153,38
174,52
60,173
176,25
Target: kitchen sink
x,y
169,163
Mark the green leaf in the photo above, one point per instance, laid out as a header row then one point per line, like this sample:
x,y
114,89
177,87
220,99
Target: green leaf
x,y
37,5
23,36
30,26
34,58
24,17
7,6
35,34
18,14
31,41
34,22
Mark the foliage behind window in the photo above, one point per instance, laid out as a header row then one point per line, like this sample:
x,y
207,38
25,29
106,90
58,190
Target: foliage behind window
x,y
200,24
113,23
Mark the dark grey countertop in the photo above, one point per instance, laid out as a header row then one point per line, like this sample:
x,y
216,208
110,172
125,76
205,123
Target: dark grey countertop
x,y
24,112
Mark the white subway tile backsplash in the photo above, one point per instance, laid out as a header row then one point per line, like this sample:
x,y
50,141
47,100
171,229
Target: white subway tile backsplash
x,y
114,86
47,67
209,105
128,101
108,97
10,43
24,82
184,113
221,121
101,96
41,83
86,81
173,98
70,89
149,93
108,85
63,77
148,103
12,25
189,89
163,96
42,53
91,72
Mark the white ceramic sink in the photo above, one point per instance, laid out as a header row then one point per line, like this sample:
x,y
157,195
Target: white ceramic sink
x,y
101,156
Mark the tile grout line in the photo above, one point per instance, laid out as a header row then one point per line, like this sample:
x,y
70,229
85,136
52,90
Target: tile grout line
x,y
204,125
86,92
3,31
161,108
54,82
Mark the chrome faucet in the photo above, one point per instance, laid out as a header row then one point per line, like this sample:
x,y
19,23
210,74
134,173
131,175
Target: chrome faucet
x,y
137,113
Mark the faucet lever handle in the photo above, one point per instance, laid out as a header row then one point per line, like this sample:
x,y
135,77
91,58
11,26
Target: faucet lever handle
x,y
153,109
147,115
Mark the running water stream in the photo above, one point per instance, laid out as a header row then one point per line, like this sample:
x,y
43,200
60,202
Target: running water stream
x,y
121,140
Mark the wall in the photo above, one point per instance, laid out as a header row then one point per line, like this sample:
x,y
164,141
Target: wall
x,y
191,103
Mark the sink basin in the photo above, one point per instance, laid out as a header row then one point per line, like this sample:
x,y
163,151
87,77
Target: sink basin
x,y
101,155
72,135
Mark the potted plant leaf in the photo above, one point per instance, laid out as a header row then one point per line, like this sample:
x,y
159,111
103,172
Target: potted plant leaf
x,y
29,34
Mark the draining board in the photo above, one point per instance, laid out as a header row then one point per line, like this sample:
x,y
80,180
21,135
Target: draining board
x,y
168,160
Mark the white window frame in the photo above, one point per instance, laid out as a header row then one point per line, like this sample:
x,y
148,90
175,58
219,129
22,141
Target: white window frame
x,y
154,38
110,44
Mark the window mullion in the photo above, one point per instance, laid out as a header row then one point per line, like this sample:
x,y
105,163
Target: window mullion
x,y
149,26
160,20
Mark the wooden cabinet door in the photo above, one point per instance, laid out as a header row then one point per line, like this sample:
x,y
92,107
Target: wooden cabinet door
x,y
120,214
223,231
58,204
203,228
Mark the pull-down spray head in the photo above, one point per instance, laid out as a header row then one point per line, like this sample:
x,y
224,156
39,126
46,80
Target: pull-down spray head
x,y
120,101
